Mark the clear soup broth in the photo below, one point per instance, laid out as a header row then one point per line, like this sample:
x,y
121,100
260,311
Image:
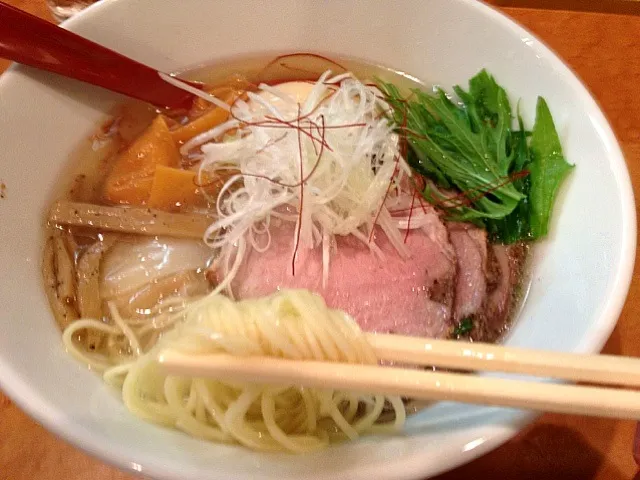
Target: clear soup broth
x,y
129,239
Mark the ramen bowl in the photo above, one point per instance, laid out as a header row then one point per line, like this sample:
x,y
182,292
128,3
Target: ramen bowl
x,y
579,275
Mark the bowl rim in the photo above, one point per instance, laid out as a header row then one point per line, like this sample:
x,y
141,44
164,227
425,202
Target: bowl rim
x,y
412,467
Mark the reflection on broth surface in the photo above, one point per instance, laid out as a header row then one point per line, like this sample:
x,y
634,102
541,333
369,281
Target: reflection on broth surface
x,y
313,198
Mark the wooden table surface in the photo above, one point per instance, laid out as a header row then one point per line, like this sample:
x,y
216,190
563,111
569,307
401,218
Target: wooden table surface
x,y
605,52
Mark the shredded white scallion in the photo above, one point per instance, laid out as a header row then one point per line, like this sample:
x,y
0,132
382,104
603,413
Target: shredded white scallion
x,y
326,163
195,91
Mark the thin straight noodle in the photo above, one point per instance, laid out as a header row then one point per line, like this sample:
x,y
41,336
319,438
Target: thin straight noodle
x,y
174,392
228,395
351,402
288,331
200,411
329,350
200,430
239,429
193,398
361,349
93,360
126,329
312,341
370,417
289,324
352,409
310,409
114,374
148,410
342,343
332,409
280,344
214,409
292,443
400,417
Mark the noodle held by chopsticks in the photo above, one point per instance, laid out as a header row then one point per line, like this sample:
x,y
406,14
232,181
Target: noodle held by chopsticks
x,y
292,324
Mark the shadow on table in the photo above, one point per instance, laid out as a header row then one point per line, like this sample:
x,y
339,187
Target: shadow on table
x,y
546,451
553,449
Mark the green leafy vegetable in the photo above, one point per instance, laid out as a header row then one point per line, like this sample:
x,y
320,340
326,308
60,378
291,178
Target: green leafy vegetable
x,y
515,226
465,326
463,146
548,168
504,180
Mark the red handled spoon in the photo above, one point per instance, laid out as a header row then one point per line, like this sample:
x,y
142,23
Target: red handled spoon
x,y
32,41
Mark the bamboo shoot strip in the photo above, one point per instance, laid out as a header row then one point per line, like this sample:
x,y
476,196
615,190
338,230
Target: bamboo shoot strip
x,y
140,220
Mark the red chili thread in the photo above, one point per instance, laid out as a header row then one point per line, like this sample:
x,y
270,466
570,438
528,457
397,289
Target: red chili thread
x,y
279,59
403,210
298,230
422,204
289,123
273,122
272,142
418,186
463,199
277,182
316,107
406,235
311,127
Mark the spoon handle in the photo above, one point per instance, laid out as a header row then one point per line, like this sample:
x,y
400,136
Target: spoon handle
x,y
32,41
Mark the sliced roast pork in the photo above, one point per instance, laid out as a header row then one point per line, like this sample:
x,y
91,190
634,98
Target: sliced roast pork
x,y
508,264
470,244
487,281
411,296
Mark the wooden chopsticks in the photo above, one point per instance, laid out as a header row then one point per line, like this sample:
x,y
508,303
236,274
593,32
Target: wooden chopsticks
x,y
605,369
430,385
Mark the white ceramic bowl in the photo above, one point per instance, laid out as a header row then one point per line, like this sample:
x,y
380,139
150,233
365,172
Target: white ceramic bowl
x,y
581,272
